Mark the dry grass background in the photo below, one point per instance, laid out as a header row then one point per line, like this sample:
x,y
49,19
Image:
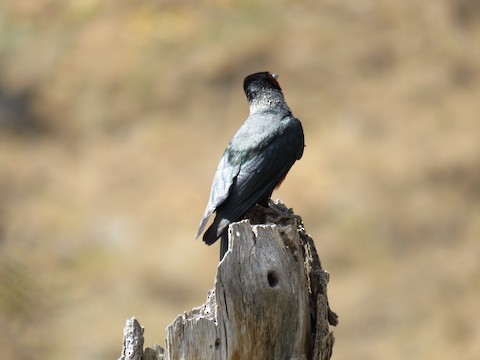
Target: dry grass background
x,y
113,116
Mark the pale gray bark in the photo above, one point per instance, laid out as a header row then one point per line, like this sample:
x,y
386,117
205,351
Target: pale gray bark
x,y
269,301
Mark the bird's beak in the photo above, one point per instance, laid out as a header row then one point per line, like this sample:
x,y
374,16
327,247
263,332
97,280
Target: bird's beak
x,y
275,76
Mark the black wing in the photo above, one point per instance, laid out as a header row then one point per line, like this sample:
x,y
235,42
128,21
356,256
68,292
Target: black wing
x,y
258,176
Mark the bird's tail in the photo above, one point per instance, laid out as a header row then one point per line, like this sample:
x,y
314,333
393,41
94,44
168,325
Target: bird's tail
x,y
223,244
218,229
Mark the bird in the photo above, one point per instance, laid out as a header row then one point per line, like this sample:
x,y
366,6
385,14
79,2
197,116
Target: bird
x,y
256,160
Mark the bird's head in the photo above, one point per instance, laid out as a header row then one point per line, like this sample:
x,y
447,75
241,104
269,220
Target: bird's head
x,y
261,84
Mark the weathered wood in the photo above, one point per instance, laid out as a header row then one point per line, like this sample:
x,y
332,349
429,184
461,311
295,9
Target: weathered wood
x,y
269,301
132,341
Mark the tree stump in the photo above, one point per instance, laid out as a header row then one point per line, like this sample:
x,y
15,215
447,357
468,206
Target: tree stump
x,y
269,300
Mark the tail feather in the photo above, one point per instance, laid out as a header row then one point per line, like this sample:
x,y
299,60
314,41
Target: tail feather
x,y
223,244
210,235
218,227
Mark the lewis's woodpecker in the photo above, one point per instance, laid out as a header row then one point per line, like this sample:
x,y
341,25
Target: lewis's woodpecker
x,y
256,160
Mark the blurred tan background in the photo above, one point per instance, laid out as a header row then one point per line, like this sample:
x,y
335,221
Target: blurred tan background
x,y
114,114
